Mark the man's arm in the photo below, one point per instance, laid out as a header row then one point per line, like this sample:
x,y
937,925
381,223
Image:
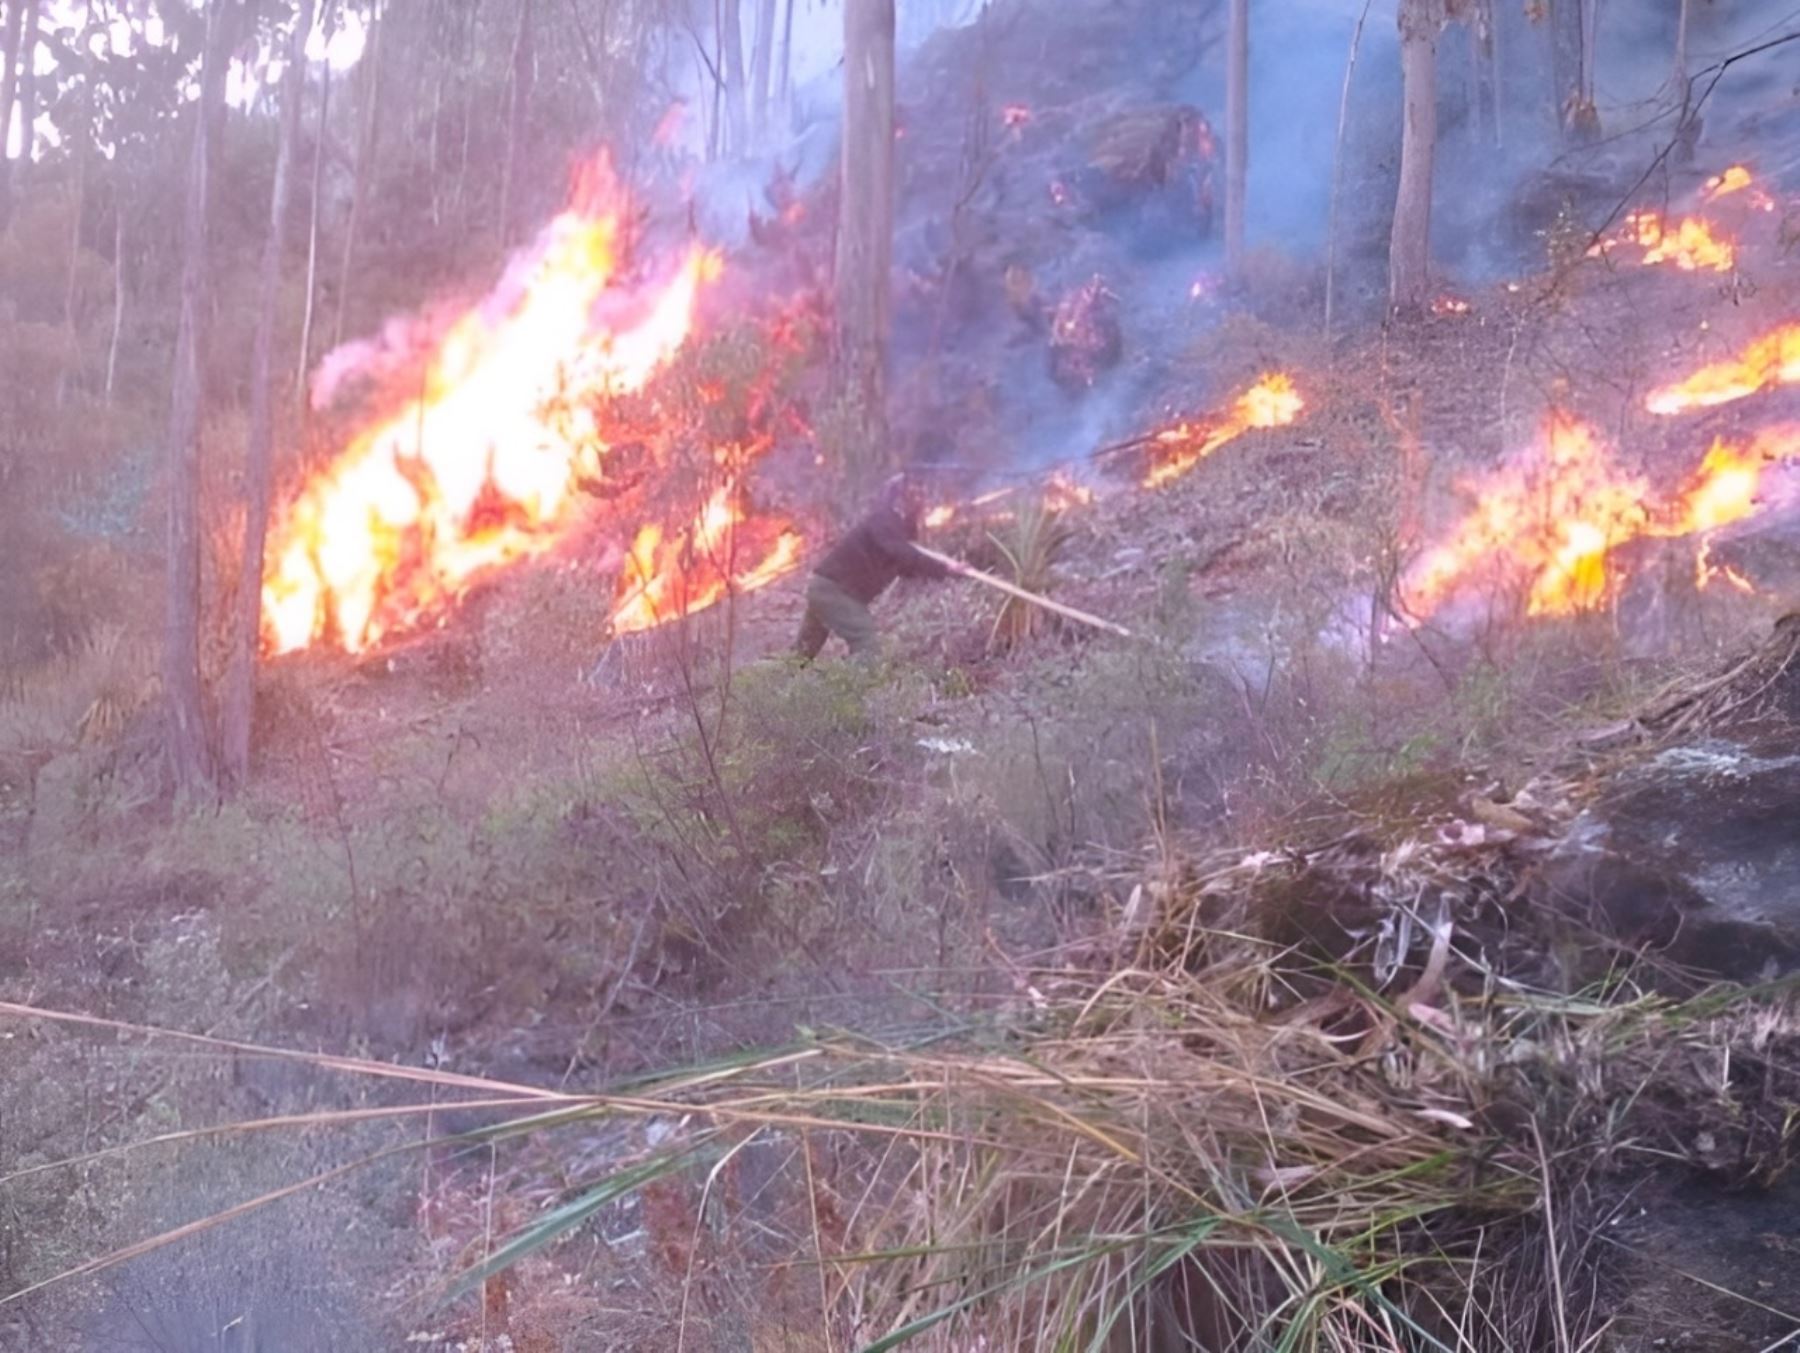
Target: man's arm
x,y
891,535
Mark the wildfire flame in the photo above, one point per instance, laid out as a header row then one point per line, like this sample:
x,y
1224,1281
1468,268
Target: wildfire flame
x,y
1690,245
1448,304
667,576
1271,402
1737,179
1552,521
483,466
1773,359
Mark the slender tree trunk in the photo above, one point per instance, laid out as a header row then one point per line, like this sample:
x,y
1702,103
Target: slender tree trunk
x,y
865,242
1681,50
731,54
74,272
1590,34
437,117
240,678
787,62
1337,166
1569,69
729,18
304,365
367,140
520,87
1495,66
118,324
1237,133
9,95
1409,252
189,753
762,65
26,100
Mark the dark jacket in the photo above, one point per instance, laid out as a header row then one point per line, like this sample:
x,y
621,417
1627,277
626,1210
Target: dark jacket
x,y
877,550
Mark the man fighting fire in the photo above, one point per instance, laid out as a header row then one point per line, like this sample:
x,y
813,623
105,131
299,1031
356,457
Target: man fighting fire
x,y
861,566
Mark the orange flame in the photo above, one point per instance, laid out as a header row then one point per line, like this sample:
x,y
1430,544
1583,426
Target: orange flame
x,y
1271,402
670,576
1706,572
1691,245
1737,179
1773,359
1552,521
1450,305
483,467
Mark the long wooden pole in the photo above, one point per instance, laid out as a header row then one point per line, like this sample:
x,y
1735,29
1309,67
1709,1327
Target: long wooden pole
x,y
962,570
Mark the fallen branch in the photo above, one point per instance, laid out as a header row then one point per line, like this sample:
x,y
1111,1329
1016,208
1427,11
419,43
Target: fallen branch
x,y
1000,584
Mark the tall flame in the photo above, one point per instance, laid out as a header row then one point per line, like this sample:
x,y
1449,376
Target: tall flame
x,y
1551,522
483,466
1271,402
1773,359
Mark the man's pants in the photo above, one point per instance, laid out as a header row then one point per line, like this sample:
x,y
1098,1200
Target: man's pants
x,y
831,610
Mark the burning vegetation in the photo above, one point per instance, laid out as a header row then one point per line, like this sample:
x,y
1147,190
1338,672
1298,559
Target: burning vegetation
x,y
1551,525
1272,402
485,465
1208,927
1769,361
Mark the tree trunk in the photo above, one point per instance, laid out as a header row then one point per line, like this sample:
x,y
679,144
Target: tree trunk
x,y
1590,33
70,278
1337,166
189,755
865,242
240,678
304,364
1409,252
1570,67
26,100
762,65
787,61
367,139
1237,133
520,86
731,54
9,95
1681,55
118,324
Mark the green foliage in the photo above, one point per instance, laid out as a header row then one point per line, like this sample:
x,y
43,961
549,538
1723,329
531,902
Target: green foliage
x,y
1031,544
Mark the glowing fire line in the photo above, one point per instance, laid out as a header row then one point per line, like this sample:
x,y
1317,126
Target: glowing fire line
x,y
1773,359
1271,402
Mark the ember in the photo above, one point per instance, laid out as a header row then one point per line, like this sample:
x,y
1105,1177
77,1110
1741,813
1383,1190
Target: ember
x,y
1085,338
1773,359
484,467
1271,402
1550,523
1450,305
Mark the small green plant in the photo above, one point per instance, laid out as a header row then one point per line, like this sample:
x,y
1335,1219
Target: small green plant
x,y
1031,546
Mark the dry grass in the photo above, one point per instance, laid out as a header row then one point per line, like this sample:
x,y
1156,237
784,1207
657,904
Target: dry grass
x,y
1197,1133
84,697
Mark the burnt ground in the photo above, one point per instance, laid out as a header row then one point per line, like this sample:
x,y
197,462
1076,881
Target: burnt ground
x,y
499,849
